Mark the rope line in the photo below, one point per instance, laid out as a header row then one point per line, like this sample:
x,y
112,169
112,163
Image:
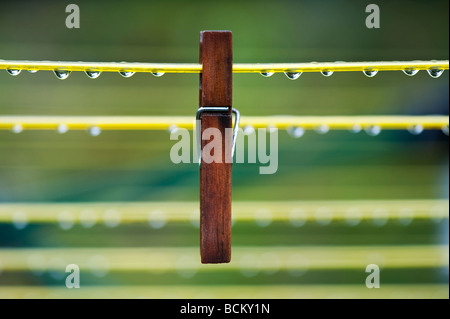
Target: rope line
x,y
265,68
19,123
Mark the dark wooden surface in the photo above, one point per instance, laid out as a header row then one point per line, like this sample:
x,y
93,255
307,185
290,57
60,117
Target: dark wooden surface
x,y
216,57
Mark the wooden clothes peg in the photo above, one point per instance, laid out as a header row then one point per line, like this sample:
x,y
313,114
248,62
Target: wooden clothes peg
x,y
216,57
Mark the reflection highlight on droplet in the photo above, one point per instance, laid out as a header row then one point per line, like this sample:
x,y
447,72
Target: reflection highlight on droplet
x,y
293,75
410,72
435,73
13,72
62,74
19,220
126,74
157,219
93,74
267,74
370,73
296,131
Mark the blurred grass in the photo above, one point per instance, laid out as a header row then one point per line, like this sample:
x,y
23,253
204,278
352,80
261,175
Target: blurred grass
x,y
43,166
244,234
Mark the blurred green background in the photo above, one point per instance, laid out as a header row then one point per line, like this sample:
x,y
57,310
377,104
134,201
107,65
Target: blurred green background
x,y
125,166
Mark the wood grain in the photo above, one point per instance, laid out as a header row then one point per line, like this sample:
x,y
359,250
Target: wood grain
x,y
215,178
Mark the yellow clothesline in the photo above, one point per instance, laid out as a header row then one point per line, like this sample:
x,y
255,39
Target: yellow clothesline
x,y
293,211
266,291
19,123
160,68
278,258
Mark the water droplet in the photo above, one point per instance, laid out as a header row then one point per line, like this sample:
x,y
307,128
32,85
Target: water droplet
x,y
17,128
297,265
62,128
173,129
380,217
98,265
186,266
36,264
157,219
56,268
247,264
267,74
324,216
95,131
410,72
438,213
406,216
111,218
445,130
66,220
32,71
435,73
322,129
373,130
93,74
270,263
158,74
13,72
293,75
62,74
353,216
126,74
298,217
370,73
88,218
19,220
248,130
327,73
296,131
356,128
195,218
415,129
263,217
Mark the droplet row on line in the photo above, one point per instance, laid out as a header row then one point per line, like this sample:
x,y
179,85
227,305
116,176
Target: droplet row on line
x,y
294,75
294,131
371,130
61,129
263,217
92,74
